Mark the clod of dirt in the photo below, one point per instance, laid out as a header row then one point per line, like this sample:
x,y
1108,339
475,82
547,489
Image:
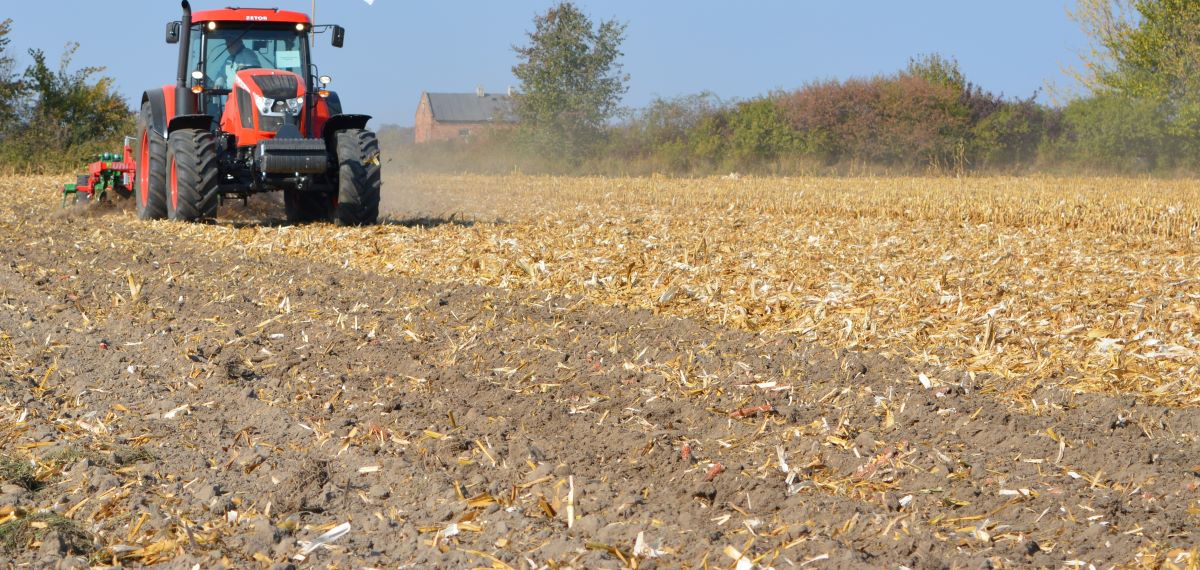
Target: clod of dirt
x,y
304,490
236,370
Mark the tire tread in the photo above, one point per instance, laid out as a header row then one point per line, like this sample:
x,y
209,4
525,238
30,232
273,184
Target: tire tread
x,y
359,178
155,207
195,154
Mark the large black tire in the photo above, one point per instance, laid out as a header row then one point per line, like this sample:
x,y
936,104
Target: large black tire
x,y
303,207
191,175
150,183
358,178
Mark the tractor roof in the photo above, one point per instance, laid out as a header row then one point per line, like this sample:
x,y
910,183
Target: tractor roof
x,y
250,15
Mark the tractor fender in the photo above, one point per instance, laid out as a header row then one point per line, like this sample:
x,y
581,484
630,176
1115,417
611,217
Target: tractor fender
x,y
158,109
342,122
162,112
333,103
322,109
201,121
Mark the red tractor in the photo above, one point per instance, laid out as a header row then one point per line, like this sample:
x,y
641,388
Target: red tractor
x,y
248,113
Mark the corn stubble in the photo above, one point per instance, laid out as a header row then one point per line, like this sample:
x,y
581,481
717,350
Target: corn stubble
x,y
1087,284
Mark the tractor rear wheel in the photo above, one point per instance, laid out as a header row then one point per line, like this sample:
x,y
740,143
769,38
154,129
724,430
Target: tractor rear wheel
x,y
150,186
303,207
191,175
358,178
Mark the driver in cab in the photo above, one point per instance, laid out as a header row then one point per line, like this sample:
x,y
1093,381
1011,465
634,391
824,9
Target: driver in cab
x,y
239,58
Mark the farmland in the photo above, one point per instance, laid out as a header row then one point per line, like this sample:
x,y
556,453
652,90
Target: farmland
x,y
523,371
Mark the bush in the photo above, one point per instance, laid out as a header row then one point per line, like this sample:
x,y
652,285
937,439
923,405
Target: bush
x,y
1113,132
832,118
662,133
901,120
1009,136
758,134
707,142
671,120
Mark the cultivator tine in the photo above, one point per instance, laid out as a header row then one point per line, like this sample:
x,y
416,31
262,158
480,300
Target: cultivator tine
x,y
68,190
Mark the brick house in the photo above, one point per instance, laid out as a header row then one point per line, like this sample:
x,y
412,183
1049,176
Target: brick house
x,y
461,116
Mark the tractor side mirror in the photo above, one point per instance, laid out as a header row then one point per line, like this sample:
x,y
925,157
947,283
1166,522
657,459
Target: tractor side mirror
x,y
339,36
173,32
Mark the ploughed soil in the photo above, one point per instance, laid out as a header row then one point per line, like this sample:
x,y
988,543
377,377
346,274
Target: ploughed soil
x,y
181,400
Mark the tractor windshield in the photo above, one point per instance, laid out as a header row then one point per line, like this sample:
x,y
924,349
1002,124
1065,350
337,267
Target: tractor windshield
x,y
228,50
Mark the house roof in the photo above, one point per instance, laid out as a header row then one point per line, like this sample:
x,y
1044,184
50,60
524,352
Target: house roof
x,y
471,108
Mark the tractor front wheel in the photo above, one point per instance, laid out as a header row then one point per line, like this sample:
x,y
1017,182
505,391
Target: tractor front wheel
x,y
358,178
150,186
191,175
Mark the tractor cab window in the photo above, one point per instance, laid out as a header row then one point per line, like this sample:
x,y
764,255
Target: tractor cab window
x,y
228,51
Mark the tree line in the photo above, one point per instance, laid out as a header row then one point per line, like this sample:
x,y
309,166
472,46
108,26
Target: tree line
x,y
1140,114
926,118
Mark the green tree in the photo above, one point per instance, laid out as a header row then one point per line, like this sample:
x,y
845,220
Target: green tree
x,y
571,81
1119,133
1106,23
11,87
67,115
707,140
1146,49
670,120
1009,136
936,68
759,133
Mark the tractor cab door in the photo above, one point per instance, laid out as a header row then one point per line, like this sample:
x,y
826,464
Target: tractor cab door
x,y
211,101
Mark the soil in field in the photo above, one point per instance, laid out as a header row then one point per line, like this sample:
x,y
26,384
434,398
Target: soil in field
x,y
407,200
186,401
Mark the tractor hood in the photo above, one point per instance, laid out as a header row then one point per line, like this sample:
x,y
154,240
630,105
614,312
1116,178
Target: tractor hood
x,y
271,89
268,99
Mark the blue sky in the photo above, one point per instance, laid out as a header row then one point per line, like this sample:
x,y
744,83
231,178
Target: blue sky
x,y
397,48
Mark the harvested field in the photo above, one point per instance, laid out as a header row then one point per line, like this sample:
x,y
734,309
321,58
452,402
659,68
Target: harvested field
x,y
528,372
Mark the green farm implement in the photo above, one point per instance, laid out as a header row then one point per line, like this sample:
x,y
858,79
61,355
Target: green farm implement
x,y
111,172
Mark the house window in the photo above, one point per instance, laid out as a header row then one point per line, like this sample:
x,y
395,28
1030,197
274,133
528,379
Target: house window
x,y
464,133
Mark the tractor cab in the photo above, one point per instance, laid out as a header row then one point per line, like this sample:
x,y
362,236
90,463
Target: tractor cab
x,y
222,53
251,72
231,48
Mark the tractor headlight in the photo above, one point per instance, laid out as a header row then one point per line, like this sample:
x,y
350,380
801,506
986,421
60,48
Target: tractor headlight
x,y
268,106
264,104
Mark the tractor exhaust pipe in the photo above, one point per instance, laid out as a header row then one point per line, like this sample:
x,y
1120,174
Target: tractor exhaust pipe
x,y
184,105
